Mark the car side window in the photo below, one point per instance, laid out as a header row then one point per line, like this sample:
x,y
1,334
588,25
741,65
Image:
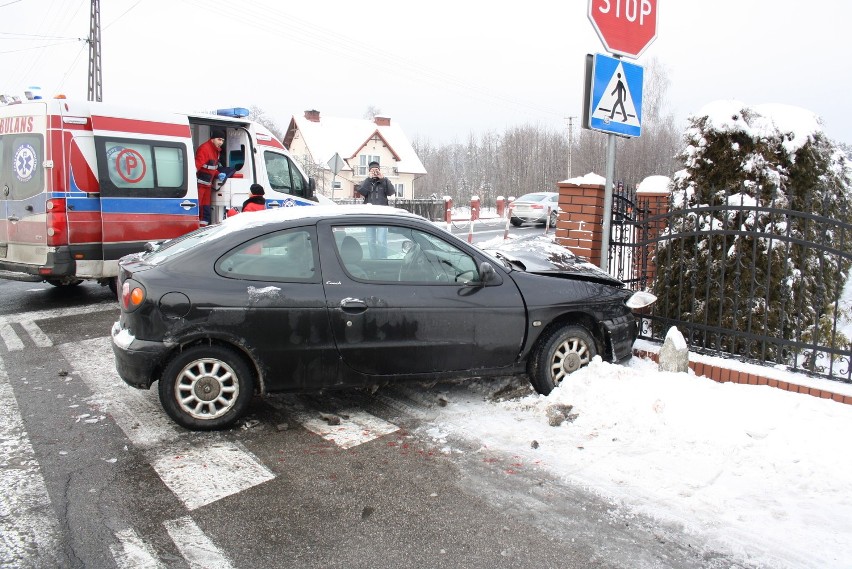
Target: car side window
x,y
401,254
288,256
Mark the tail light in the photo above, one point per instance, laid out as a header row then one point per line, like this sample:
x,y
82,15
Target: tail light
x,y
132,296
57,222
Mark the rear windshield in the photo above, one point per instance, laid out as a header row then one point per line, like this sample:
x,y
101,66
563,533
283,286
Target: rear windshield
x,y
175,247
533,197
21,165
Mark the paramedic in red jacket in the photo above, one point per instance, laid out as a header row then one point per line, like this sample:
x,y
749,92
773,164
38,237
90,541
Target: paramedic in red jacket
x,y
256,201
207,170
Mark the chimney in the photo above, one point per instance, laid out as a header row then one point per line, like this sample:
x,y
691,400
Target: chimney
x,y
312,115
382,121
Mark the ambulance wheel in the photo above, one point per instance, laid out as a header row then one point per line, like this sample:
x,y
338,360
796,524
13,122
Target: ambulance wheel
x,y
113,286
63,284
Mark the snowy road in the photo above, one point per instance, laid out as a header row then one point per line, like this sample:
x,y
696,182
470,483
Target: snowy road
x,y
95,475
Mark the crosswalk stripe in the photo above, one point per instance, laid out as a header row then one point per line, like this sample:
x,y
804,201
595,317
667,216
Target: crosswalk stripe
x,y
355,428
27,321
198,550
132,553
28,527
37,334
198,467
10,338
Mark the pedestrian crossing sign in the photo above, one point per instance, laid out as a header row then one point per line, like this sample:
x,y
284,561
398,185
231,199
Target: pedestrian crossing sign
x,y
615,96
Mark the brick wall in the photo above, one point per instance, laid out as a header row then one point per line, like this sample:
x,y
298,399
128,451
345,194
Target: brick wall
x,y
723,375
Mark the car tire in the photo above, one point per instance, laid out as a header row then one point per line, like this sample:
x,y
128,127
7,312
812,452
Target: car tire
x,y
516,222
560,353
206,387
554,217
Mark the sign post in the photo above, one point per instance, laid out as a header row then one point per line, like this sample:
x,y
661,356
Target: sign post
x,y
336,165
626,28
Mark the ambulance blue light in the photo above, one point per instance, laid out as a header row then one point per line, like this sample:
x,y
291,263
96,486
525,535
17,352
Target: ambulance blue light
x,y
235,112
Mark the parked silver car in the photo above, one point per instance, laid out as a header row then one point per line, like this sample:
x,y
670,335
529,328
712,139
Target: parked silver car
x,y
535,207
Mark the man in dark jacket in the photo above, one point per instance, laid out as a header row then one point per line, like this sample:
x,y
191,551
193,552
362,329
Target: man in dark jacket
x,y
376,188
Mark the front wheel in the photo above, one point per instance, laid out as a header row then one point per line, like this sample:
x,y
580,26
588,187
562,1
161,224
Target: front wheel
x,y
206,388
562,352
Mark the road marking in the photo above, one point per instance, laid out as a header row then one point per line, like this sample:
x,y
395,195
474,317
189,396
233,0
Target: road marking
x,y
133,553
200,474
10,338
355,428
198,550
199,468
28,526
37,334
27,322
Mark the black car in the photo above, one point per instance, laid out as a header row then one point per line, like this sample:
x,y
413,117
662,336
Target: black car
x,y
308,299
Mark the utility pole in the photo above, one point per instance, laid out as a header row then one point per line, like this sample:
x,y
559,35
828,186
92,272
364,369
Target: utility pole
x,y
570,142
95,87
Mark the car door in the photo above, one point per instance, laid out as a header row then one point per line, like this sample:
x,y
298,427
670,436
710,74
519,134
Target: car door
x,y
271,287
404,299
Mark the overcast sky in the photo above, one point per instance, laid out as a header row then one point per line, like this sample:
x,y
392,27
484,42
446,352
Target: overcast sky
x,y
440,69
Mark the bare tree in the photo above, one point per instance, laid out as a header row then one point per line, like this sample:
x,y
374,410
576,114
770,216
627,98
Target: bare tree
x,y
258,115
372,112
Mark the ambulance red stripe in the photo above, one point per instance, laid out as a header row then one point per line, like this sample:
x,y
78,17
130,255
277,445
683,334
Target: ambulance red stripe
x,y
135,126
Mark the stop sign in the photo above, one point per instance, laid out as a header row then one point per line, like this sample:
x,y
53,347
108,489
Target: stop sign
x,y
626,27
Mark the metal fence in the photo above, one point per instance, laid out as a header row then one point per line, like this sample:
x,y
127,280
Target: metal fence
x,y
430,208
742,280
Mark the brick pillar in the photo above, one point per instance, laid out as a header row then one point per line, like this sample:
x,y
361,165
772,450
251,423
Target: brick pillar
x,y
653,203
580,227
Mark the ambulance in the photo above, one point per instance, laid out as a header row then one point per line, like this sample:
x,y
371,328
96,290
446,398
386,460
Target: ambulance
x,y
85,183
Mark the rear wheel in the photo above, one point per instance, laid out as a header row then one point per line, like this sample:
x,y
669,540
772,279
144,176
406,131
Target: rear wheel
x,y
517,222
206,387
562,352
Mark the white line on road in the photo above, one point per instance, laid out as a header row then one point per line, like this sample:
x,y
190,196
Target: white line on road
x,y
28,525
37,334
27,321
133,553
199,468
10,338
198,550
355,428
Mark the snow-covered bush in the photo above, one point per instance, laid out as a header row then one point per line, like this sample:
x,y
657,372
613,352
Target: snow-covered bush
x,y
758,234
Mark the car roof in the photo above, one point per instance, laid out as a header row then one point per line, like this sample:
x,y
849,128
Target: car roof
x,y
537,196
312,212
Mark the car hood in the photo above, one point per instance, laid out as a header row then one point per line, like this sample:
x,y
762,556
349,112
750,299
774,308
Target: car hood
x,y
540,254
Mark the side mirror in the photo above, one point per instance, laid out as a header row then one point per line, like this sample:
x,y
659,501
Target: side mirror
x,y
487,274
310,192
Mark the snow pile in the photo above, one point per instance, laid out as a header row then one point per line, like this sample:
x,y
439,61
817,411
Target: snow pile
x,y
745,466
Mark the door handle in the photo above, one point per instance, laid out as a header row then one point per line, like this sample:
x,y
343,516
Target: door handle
x,y
353,305
186,204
